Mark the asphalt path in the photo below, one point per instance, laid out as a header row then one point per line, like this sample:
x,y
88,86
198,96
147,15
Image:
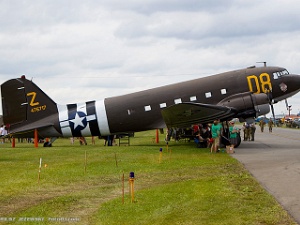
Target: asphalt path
x,y
274,160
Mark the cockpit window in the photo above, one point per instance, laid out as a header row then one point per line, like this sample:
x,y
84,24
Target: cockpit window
x,y
284,72
278,74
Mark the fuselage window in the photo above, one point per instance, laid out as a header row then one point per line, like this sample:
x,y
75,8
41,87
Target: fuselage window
x,y
208,94
223,91
193,98
275,76
163,105
130,111
147,108
177,101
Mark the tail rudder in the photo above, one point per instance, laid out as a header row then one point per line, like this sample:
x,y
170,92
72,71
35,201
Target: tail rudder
x,y
23,101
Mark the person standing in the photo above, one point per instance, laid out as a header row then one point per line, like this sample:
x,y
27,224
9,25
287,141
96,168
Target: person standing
x,y
262,124
252,131
1,132
270,124
216,129
233,131
247,132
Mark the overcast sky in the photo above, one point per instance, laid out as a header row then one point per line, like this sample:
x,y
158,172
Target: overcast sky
x,y
87,50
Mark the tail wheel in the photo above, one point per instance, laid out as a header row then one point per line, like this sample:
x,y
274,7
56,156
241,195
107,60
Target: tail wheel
x,y
47,144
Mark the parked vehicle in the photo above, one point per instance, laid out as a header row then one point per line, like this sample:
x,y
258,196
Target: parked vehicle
x,y
265,119
295,123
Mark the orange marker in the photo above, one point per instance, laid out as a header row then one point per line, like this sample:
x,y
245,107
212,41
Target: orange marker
x,y
131,182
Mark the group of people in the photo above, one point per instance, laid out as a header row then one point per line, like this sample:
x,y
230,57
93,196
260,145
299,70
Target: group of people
x,y
262,124
202,134
210,136
249,129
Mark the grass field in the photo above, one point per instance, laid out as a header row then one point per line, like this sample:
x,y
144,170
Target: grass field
x,y
185,185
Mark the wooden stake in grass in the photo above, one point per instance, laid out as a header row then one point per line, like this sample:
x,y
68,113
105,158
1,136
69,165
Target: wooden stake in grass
x,y
123,187
85,161
160,155
40,168
131,182
167,146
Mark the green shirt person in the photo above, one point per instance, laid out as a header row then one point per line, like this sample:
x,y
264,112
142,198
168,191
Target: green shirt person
x,y
216,129
233,131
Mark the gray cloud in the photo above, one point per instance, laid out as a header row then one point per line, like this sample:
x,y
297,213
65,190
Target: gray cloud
x,y
149,7
233,23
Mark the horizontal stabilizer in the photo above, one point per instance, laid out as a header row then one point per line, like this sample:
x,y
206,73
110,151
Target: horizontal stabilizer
x,y
185,114
29,128
45,129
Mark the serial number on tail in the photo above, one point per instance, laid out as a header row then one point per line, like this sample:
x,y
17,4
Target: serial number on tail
x,y
38,108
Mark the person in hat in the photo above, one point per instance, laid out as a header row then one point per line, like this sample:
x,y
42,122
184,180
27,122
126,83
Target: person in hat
x,y
233,132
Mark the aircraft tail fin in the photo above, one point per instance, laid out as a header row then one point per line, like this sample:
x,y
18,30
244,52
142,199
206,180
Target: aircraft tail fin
x,y
24,102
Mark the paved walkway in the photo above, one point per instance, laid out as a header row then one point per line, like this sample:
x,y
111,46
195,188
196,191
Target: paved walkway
x,y
274,160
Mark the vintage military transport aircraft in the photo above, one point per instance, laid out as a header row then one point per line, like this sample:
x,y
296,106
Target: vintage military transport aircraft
x,y
244,94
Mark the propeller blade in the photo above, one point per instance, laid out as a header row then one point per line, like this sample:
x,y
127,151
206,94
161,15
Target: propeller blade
x,y
270,97
286,104
273,113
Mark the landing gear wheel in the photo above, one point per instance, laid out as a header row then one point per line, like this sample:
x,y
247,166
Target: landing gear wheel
x,y
47,144
238,141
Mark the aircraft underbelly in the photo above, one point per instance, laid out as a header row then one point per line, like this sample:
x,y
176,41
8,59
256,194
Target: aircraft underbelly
x,y
91,119
136,123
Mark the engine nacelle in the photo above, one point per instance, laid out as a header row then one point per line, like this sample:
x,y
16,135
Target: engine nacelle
x,y
247,105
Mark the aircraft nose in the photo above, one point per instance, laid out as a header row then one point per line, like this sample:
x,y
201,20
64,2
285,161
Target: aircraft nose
x,y
286,86
291,83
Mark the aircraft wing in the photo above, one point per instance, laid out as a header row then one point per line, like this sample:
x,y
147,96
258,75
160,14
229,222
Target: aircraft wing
x,y
186,114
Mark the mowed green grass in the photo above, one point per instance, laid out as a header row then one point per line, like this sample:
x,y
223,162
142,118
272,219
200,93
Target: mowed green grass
x,y
184,185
